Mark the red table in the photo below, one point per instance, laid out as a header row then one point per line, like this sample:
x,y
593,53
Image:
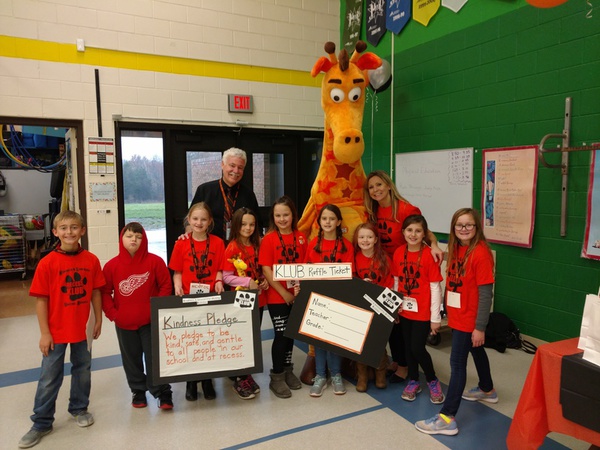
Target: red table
x,y
539,410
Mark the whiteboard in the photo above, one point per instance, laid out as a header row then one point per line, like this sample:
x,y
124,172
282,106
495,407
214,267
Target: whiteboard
x,y
438,182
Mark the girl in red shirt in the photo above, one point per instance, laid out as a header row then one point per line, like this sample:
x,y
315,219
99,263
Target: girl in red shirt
x,y
197,265
469,289
244,244
418,277
283,244
388,209
372,264
329,246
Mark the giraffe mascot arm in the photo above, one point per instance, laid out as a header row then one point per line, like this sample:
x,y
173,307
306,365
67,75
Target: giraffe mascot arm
x,y
341,176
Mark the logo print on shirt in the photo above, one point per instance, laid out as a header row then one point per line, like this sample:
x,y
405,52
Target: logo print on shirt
x,y
132,282
74,286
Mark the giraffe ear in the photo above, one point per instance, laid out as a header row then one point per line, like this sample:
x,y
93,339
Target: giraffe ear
x,y
322,65
368,61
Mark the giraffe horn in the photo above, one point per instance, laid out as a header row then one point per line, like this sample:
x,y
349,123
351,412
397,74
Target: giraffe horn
x,y
360,47
330,50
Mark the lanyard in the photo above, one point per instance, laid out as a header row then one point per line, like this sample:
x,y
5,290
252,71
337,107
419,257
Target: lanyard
x,y
410,280
289,256
251,261
335,249
229,207
200,268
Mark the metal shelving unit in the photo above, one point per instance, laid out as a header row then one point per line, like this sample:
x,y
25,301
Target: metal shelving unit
x,y
12,245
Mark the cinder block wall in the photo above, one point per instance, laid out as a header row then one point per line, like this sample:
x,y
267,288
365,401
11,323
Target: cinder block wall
x,y
497,76
161,60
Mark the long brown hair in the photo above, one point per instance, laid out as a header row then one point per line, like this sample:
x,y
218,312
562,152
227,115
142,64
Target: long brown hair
x,y
338,230
454,242
236,225
379,255
287,201
371,206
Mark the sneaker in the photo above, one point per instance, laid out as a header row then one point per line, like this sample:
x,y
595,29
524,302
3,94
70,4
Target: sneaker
x,y
338,385
435,392
477,394
33,437
253,384
411,390
242,388
165,400
438,424
84,419
138,399
319,385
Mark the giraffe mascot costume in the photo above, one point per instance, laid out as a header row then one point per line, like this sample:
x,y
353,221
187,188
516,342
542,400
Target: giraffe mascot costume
x,y
341,176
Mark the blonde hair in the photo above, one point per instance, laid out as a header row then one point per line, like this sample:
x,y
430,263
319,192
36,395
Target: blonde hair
x,y
205,207
68,215
371,206
453,240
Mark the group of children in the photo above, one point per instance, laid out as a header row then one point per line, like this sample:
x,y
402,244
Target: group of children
x,y
201,263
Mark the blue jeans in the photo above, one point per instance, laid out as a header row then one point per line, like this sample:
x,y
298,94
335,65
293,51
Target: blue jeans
x,y
461,347
51,379
324,359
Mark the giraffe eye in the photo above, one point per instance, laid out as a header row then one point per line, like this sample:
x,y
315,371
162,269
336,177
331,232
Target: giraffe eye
x,y
337,95
355,94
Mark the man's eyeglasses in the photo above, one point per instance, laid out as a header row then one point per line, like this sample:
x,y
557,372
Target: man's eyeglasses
x,y
467,226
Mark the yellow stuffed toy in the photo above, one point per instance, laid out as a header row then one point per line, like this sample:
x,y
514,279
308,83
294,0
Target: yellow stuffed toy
x,y
240,267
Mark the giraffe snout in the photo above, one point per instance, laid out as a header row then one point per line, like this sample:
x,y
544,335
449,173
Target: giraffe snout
x,y
349,146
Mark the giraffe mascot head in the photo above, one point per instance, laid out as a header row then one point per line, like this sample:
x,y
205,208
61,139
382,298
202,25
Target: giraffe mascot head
x,y
341,176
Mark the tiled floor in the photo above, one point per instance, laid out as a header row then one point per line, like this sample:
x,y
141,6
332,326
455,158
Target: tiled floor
x,y
378,419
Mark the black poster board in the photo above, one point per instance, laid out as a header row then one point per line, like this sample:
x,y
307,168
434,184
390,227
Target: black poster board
x,y
205,336
352,318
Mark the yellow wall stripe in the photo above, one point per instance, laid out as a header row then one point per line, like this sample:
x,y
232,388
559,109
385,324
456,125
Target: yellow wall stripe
x,y
15,47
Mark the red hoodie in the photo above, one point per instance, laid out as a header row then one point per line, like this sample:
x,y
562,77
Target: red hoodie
x,y
130,282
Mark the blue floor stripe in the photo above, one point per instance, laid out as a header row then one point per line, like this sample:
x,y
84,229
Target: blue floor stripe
x,y
479,425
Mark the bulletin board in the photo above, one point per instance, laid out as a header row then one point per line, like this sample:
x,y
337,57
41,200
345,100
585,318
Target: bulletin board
x,y
205,336
438,182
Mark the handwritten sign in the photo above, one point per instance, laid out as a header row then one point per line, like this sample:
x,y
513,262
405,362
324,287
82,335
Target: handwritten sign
x,y
319,271
218,337
336,322
352,318
509,186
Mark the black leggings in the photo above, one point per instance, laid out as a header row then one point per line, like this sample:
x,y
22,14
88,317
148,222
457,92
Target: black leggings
x,y
415,337
281,350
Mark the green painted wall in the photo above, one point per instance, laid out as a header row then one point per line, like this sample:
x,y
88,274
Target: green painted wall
x,y
496,75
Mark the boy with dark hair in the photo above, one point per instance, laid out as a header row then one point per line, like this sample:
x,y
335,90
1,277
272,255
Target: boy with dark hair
x,y
66,286
132,277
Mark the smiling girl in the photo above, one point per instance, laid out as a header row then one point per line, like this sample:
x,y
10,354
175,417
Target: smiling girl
x,y
469,288
283,244
418,277
197,265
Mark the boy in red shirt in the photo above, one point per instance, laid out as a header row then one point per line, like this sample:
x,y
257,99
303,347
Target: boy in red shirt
x,y
66,286
132,277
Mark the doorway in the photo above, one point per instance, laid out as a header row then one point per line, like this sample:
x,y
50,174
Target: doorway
x,y
192,156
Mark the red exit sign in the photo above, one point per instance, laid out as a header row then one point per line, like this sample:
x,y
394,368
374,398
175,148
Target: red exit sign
x,y
240,103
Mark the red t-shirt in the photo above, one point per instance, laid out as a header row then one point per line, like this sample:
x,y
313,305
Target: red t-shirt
x,y
273,252
414,279
249,255
465,277
67,281
209,263
390,230
365,267
331,251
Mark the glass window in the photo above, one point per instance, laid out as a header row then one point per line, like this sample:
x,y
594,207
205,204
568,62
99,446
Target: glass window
x,y
144,187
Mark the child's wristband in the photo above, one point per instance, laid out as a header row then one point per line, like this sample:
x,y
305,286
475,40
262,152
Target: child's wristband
x,y
218,281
